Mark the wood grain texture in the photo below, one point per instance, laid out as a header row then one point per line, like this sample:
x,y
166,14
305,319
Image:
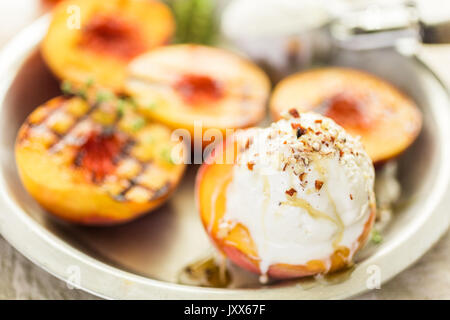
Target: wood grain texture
x,y
21,279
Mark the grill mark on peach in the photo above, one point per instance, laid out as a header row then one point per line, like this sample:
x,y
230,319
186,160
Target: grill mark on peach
x,y
133,182
97,154
54,105
161,191
123,153
70,129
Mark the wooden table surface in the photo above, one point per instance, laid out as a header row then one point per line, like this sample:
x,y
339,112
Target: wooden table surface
x,y
429,278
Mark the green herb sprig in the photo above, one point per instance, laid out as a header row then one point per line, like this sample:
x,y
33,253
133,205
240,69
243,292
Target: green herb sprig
x,y
376,237
196,21
167,156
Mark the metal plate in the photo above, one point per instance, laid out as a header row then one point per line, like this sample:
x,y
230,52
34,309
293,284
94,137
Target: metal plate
x,y
142,259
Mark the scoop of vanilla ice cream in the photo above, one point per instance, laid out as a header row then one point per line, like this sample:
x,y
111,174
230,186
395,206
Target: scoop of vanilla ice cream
x,y
303,188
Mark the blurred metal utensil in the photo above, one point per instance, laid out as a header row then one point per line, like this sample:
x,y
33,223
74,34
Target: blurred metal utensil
x,y
285,38
377,26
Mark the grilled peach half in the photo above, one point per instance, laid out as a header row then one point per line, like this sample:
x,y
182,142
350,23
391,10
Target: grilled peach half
x,y
96,163
387,121
95,39
181,85
236,243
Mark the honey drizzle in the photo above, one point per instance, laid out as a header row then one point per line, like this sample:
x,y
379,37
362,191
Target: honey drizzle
x,y
338,222
266,192
316,214
223,183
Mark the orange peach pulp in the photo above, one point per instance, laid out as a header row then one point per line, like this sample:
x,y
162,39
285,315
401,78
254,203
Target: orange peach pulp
x,y
93,40
387,121
87,164
190,86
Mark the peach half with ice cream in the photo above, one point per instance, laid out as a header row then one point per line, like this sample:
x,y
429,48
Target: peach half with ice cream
x,y
291,200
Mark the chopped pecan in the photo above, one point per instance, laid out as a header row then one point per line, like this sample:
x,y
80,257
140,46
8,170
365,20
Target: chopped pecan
x,y
318,184
302,176
300,130
293,112
291,192
248,143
